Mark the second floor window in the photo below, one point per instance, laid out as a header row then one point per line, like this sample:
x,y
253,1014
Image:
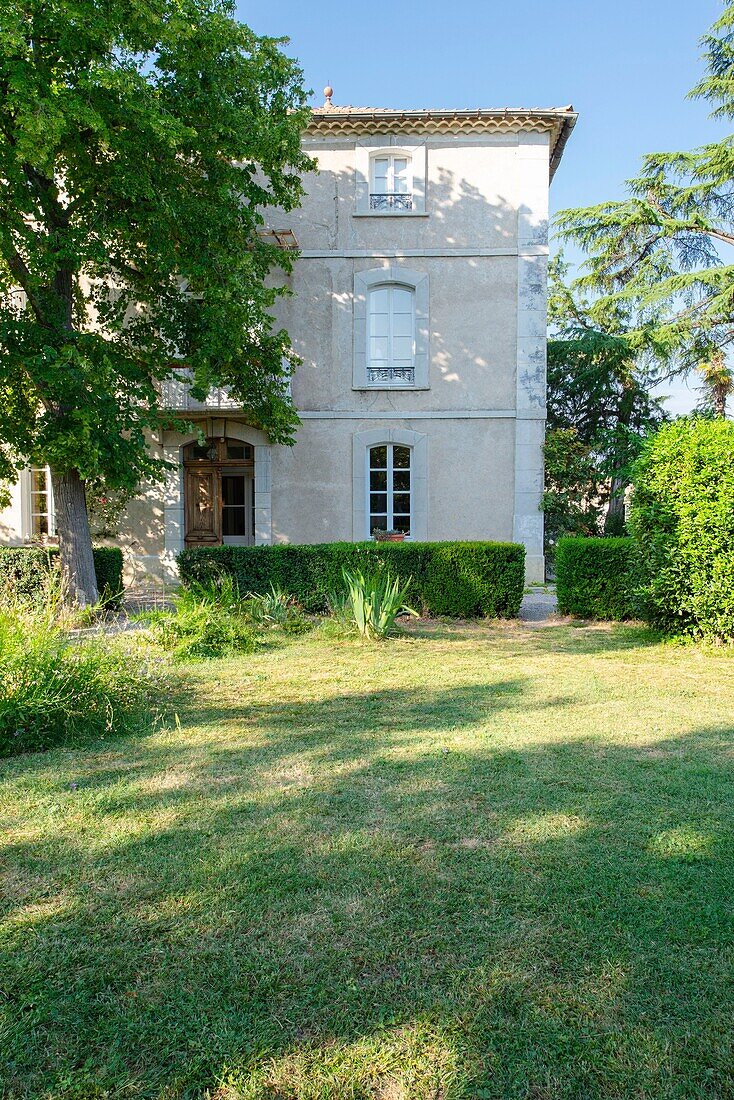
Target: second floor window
x,y
391,335
391,183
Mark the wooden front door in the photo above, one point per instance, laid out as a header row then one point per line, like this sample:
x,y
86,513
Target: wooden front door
x,y
203,508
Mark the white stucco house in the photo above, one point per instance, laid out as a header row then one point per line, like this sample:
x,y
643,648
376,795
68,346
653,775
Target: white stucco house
x,y
419,311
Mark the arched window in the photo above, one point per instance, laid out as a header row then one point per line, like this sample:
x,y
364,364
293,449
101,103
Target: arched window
x,y
391,335
389,488
391,182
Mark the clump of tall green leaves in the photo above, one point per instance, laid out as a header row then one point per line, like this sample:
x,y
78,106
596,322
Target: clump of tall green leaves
x,y
55,689
375,600
206,621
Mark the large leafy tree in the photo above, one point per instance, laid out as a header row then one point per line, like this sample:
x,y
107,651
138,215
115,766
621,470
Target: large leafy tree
x,y
665,249
600,407
140,142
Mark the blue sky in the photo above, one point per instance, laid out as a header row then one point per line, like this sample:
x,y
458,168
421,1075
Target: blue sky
x,y
625,65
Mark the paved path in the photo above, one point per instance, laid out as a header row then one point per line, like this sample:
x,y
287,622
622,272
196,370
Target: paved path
x,y
539,605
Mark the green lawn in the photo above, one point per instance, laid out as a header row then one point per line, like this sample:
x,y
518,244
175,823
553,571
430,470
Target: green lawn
x,y
489,861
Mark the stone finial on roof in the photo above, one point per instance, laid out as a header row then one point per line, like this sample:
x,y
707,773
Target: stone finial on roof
x,y
328,93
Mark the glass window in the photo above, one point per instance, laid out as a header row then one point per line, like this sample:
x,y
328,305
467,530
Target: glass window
x,y
391,335
43,522
389,488
391,183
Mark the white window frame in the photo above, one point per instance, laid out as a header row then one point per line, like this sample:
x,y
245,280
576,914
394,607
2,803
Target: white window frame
x,y
362,443
364,282
28,509
385,201
390,364
369,149
389,488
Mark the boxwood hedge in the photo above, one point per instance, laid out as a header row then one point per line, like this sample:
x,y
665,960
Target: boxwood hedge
x,y
597,578
24,570
459,579
682,518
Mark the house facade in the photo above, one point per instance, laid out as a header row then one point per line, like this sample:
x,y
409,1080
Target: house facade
x,y
419,313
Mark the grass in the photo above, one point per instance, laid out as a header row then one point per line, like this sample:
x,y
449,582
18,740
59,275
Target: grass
x,y
472,862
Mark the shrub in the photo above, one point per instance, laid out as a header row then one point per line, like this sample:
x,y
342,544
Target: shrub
x,y
376,600
596,578
24,572
54,691
683,520
205,623
460,579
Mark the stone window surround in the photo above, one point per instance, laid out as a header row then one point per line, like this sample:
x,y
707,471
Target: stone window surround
x,y
365,150
174,517
418,283
361,443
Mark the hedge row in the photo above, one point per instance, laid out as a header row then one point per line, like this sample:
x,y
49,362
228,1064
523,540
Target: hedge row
x,y
682,518
597,578
460,579
25,569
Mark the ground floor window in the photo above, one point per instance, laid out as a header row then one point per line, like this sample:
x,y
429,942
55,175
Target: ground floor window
x,y
43,520
389,488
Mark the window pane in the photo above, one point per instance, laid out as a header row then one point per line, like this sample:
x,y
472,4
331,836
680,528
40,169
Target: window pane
x,y
379,324
378,458
402,523
401,502
38,480
378,481
239,451
401,457
233,521
402,349
40,525
402,300
378,523
380,300
379,349
233,491
402,325
401,481
378,502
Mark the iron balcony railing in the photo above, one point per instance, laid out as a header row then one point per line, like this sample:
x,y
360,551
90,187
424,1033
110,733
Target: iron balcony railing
x,y
391,202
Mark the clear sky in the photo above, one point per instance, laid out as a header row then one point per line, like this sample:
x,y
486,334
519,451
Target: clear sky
x,y
625,65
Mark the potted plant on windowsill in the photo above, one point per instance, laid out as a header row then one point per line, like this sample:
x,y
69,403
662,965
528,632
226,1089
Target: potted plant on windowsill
x,y
388,536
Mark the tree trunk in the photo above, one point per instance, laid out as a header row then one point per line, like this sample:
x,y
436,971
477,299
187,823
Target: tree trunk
x,y
614,520
75,542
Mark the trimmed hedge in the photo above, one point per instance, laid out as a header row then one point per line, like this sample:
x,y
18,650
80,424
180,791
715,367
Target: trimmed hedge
x,y
457,579
24,570
596,578
683,521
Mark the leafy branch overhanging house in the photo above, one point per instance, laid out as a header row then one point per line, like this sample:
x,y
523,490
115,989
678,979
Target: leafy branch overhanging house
x,y
419,311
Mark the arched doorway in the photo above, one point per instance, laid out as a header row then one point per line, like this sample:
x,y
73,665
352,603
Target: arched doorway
x,y
219,493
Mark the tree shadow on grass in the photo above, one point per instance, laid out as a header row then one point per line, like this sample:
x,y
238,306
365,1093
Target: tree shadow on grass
x,y
326,904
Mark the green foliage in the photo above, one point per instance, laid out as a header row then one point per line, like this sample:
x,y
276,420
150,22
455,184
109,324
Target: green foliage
x,y
596,578
275,608
24,573
659,249
376,600
570,501
54,691
460,579
599,409
207,622
683,519
141,146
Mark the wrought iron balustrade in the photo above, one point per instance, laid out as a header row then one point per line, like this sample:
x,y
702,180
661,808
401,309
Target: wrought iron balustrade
x,y
391,376
391,202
